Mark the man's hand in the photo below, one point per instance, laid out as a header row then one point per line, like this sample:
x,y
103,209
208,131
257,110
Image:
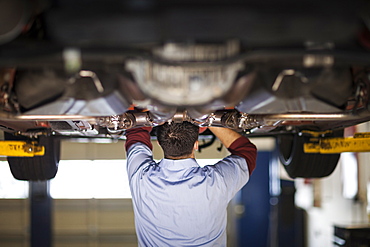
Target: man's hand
x,y
226,136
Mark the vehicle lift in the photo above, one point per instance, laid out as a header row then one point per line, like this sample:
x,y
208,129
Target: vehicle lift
x,y
40,199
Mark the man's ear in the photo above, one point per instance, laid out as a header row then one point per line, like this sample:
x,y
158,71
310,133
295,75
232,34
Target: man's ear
x,y
196,145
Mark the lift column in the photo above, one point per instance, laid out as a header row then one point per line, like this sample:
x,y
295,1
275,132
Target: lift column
x,y
41,212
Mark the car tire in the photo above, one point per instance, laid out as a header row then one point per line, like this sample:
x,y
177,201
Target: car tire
x,y
299,164
38,168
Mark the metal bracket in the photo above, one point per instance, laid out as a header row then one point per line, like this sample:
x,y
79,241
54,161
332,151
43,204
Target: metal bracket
x,y
21,149
287,72
360,142
86,73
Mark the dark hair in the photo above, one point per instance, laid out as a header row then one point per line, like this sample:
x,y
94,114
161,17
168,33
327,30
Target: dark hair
x,y
177,139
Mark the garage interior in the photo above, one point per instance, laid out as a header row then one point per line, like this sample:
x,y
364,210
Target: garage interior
x,y
80,68
87,203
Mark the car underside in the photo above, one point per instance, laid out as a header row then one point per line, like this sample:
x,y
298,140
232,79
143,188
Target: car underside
x,y
96,68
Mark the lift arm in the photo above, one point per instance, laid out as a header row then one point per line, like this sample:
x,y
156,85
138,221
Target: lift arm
x,y
360,142
21,149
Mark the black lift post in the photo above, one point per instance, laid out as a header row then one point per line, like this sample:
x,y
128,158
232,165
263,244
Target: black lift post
x,y
41,214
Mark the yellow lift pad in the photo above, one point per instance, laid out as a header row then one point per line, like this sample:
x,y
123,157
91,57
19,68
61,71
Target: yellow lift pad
x,y
360,142
21,149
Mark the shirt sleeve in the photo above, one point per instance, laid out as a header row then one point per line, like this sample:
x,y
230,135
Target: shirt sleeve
x,y
138,149
237,168
244,148
138,135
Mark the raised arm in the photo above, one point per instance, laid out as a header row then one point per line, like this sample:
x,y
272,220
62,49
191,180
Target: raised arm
x,y
138,135
138,148
225,135
237,145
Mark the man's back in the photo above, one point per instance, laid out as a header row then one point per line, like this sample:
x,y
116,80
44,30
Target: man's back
x,y
178,203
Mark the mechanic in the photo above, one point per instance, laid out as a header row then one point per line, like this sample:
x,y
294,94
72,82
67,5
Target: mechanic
x,y
177,202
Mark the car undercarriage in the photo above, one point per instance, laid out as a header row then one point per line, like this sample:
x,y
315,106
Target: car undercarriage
x,y
96,68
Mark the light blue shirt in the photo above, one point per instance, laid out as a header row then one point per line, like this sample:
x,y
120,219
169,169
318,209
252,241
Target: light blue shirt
x,y
178,203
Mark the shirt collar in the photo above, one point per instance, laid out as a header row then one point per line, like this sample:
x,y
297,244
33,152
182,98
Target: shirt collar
x,y
182,163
